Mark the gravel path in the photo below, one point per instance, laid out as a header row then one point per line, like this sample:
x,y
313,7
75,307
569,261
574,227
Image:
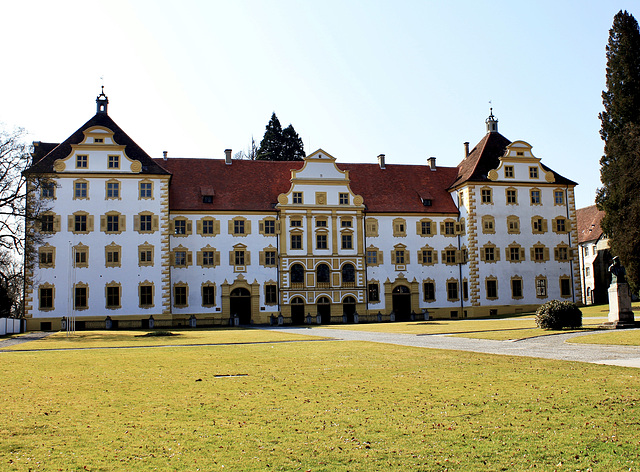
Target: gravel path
x,y
30,336
547,347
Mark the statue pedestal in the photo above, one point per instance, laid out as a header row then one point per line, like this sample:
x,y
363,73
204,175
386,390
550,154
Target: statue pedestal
x,y
620,314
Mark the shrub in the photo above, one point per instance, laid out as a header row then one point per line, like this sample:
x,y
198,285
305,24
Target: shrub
x,y
157,333
558,315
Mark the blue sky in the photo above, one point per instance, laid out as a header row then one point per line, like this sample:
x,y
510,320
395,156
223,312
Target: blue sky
x,y
410,79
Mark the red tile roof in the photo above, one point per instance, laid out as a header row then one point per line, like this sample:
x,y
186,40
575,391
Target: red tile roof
x,y
255,185
589,219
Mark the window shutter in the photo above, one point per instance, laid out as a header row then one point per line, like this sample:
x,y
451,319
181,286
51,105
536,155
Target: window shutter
x,y
90,223
172,227
199,260
571,254
122,223
136,223
393,257
555,253
497,253
507,252
443,254
199,226
522,254
70,222
189,258
216,227
230,226
172,259
216,258
189,227
546,253
442,227
544,225
379,257
247,227
482,255
155,223
261,255
232,259
567,225
406,257
56,224
103,223
277,227
261,227
247,258
554,225
458,257
532,253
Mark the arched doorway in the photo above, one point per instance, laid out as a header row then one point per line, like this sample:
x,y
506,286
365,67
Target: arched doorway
x,y
401,298
324,310
349,308
297,311
348,275
323,273
240,304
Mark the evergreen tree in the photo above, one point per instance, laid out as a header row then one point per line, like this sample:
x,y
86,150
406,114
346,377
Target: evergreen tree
x,y
271,145
619,197
279,145
293,149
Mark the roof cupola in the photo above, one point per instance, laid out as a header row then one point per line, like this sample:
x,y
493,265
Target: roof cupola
x,y
492,122
102,101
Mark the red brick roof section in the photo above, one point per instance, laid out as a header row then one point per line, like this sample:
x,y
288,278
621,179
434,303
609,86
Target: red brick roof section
x,y
589,219
255,185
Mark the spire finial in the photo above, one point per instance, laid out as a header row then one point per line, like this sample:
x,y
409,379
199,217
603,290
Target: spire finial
x,y
491,121
102,101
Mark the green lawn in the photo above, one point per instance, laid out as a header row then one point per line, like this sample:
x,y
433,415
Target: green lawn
x,y
313,406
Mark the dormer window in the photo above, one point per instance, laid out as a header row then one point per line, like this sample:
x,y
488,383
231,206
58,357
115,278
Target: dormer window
x,y
207,199
114,162
427,202
98,140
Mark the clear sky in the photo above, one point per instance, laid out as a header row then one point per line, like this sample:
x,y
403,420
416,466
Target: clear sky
x,y
409,79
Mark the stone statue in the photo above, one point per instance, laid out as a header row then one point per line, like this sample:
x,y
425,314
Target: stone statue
x,y
617,272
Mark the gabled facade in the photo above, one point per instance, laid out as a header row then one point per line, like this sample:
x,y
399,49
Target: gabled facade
x,y
201,240
594,256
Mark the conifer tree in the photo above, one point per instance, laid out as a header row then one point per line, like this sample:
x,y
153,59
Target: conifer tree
x,y
271,145
279,145
619,197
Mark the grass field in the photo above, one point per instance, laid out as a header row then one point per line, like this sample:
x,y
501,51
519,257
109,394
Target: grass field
x,y
313,406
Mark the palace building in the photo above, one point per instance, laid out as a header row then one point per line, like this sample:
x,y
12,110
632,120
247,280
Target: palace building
x,y
129,240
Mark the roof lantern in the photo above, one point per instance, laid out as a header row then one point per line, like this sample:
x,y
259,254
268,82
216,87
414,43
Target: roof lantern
x,y
492,122
102,101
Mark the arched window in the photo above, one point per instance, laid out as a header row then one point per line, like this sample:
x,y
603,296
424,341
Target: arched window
x,y
323,273
297,273
348,273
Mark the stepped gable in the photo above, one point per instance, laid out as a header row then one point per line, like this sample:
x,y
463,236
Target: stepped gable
x,y
589,219
62,150
255,185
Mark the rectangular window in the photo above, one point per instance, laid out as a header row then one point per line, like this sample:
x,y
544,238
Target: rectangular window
x,y
347,241
46,298
145,190
485,195
513,225
46,258
238,227
114,162
514,253
80,223
399,256
374,293
560,225
82,162
535,197
452,291
449,228
145,256
208,258
180,227
48,189
492,288
208,295
586,250
489,254
508,172
344,199
296,241
146,295
346,222
321,223
180,258
113,189
113,223
516,288
512,197
113,297
465,290
297,197
427,256
207,227
207,199
450,256
270,294
558,197
565,287
80,189
80,298
180,296
429,291
321,241
145,223
587,271
562,254
113,257
239,258
541,288
296,223
47,223
533,172
269,227
425,227
538,254
372,257
538,225
270,258
81,258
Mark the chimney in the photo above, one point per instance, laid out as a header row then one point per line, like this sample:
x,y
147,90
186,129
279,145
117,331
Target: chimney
x,y
381,161
432,163
466,149
227,157
164,155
